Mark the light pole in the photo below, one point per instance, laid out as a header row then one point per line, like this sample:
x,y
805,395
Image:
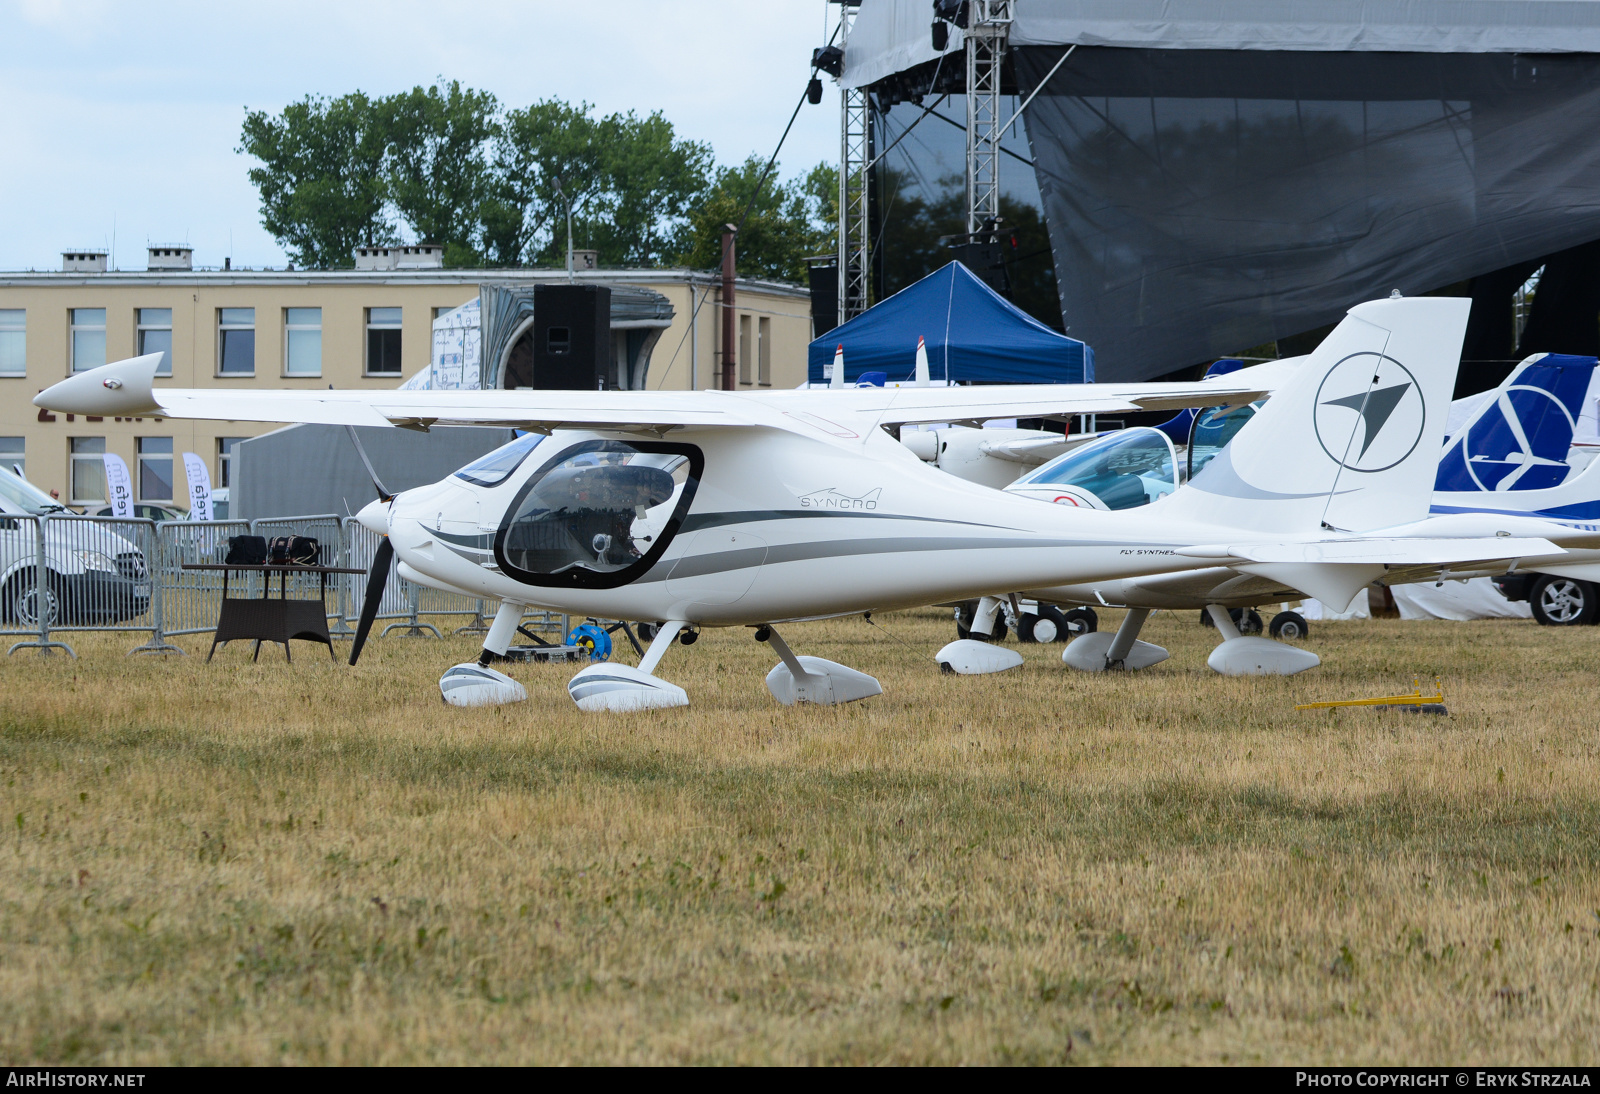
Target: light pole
x,y
562,193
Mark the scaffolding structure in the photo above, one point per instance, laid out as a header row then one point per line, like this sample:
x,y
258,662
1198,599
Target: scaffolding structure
x,y
986,35
855,173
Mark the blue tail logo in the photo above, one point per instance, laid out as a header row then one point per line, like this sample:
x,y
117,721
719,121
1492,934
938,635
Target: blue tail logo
x,y
1519,440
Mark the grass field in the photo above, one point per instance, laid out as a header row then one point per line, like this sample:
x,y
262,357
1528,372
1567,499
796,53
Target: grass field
x,y
316,864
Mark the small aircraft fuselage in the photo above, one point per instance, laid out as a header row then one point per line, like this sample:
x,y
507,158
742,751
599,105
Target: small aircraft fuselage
x,y
724,527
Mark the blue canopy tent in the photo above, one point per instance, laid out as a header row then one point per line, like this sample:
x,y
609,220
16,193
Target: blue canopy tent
x,y
972,333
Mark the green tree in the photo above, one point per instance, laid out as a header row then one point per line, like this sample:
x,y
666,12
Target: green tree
x,y
545,156
651,177
784,224
438,163
321,179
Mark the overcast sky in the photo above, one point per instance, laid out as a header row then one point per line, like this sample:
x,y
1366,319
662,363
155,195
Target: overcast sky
x,y
123,118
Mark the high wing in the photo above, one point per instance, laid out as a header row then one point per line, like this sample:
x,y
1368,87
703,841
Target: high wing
x,y
127,388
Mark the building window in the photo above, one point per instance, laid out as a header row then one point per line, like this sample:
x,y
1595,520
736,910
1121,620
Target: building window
x,y
302,341
88,471
744,349
383,341
236,341
155,468
225,460
13,342
14,455
88,338
764,352
155,336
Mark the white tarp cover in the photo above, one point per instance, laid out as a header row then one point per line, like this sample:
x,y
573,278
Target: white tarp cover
x,y
454,363
1474,599
893,35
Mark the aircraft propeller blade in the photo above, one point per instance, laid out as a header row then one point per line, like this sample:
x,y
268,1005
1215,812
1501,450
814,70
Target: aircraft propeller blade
x,y
377,578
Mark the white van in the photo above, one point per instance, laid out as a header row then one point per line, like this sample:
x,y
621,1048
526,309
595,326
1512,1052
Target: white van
x,y
94,575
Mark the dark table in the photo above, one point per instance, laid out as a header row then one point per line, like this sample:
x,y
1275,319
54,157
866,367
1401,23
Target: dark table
x,y
263,619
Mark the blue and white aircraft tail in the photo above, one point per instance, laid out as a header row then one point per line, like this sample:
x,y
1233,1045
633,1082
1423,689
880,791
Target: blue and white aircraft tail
x,y
1528,447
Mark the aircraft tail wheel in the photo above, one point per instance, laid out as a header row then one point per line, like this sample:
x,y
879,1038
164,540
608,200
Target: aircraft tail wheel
x,y
592,638
1079,621
689,636
1289,625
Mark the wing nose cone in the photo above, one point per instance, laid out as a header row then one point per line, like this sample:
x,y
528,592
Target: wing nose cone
x,y
375,515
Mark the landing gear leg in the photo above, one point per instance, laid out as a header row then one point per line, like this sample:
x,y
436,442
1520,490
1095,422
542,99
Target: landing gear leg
x,y
1253,656
813,679
621,688
1098,651
501,631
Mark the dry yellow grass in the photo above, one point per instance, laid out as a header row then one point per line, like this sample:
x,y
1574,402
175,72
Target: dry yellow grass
x,y
262,864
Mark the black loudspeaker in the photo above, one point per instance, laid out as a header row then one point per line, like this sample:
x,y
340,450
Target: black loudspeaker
x,y
572,338
987,260
824,298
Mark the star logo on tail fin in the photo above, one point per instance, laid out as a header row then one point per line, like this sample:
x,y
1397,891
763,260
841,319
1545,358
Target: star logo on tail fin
x,y
1369,412
1374,407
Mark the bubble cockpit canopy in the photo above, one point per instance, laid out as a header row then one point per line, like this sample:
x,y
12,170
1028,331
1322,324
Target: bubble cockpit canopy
x,y
1128,468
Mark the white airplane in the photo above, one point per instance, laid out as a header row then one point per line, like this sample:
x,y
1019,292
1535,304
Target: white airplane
x,y
714,509
1526,448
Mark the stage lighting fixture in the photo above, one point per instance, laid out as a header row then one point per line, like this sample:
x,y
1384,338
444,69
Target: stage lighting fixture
x,y
814,91
829,59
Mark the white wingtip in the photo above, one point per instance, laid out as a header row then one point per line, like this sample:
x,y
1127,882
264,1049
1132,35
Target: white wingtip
x,y
120,388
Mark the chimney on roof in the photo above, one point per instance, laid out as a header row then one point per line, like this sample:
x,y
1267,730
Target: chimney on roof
x,y
420,256
83,261
169,256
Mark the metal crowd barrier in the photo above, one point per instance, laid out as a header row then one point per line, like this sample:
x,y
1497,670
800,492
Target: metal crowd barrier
x,y
63,572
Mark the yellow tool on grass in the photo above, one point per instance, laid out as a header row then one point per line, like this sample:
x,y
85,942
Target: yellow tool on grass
x,y
1416,703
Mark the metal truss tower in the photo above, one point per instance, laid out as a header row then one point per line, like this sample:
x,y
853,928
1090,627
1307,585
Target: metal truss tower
x,y
855,160
986,35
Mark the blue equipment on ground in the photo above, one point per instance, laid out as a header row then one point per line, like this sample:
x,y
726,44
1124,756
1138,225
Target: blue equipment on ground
x,y
592,638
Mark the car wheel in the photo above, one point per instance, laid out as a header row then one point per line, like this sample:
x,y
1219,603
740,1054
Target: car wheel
x,y
22,602
1080,621
1562,601
1289,625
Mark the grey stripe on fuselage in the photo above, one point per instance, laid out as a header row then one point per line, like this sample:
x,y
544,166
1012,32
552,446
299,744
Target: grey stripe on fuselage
x,y
696,521
775,554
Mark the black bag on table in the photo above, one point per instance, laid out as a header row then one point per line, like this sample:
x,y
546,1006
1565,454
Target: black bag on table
x,y
293,551
246,551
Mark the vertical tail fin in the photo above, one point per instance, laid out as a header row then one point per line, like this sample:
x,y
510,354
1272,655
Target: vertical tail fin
x,y
1520,437
1352,442
837,379
922,362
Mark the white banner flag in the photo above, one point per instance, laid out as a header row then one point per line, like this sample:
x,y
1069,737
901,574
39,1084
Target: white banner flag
x,y
199,486
119,486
